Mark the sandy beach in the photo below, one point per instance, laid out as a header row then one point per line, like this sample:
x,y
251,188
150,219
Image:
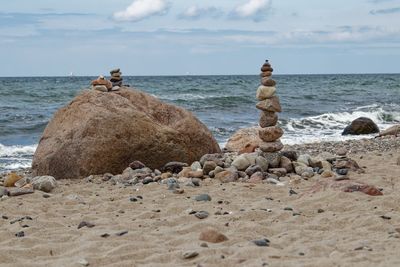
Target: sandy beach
x,y
149,225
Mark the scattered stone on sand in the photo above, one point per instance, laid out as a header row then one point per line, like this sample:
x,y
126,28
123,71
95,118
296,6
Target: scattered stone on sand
x,y
20,234
121,233
261,242
201,214
20,191
361,125
190,255
212,236
83,262
85,224
202,197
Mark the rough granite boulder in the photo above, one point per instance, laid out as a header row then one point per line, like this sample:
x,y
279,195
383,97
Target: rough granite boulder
x,y
243,138
361,125
103,132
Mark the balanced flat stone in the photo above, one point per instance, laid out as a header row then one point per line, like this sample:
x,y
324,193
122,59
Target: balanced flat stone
x,y
270,104
101,88
115,71
266,81
266,74
270,134
271,147
268,118
265,92
267,67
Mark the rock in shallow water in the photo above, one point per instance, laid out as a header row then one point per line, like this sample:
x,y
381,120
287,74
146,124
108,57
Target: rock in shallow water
x,y
361,125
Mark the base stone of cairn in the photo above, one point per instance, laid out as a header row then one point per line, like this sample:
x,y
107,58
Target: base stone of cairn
x,y
269,105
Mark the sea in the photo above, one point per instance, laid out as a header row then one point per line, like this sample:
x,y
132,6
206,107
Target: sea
x,y
315,107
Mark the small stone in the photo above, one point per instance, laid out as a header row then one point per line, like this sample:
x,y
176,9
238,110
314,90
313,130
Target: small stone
x,y
386,217
305,159
271,147
11,179
203,197
208,167
212,236
190,254
256,178
148,180
341,151
179,191
46,195
320,211
327,174
290,154
253,169
105,235
342,171
262,163
286,163
133,199
174,167
195,166
83,262
204,245
262,242
268,118
121,233
271,104
196,174
266,81
20,234
292,192
288,208
307,174
270,134
201,214
3,191
44,183
87,224
280,172
242,162
227,176
4,217
265,92
136,165
248,148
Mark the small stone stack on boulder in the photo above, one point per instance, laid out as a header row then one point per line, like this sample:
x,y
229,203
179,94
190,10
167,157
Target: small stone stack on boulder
x,y
101,84
116,78
269,105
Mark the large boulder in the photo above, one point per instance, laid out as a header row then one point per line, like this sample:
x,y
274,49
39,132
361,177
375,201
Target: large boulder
x,y
103,132
361,125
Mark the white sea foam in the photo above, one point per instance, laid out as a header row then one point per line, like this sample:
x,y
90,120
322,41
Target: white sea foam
x,y
16,157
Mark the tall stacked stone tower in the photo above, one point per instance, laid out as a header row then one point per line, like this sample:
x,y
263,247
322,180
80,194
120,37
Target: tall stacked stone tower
x,y
269,106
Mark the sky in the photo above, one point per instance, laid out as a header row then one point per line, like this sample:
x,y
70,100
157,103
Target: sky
x,y
181,37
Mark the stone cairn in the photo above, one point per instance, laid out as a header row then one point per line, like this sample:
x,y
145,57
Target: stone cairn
x,y
269,106
116,78
101,84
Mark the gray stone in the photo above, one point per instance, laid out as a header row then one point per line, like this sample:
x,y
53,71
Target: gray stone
x,y
280,172
241,162
262,163
43,183
218,158
3,191
262,242
218,169
286,164
304,158
307,174
190,254
195,166
274,159
201,214
252,169
208,167
202,197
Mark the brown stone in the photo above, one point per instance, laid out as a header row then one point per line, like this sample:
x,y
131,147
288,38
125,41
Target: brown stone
x,y
270,134
100,133
212,236
361,125
195,174
266,81
102,81
271,104
394,130
266,74
267,67
268,118
265,92
286,164
227,176
280,172
271,146
366,189
242,138
249,148
256,178
11,179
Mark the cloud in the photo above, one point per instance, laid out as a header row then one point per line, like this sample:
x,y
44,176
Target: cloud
x,y
252,9
385,11
195,12
141,9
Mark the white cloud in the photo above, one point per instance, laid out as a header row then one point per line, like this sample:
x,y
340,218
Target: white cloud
x,y
195,12
141,9
255,9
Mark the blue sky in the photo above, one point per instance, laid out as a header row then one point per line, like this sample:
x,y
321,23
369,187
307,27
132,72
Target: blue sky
x,y
175,37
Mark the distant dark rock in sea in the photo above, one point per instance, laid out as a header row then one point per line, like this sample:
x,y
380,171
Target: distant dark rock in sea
x,y
104,132
361,125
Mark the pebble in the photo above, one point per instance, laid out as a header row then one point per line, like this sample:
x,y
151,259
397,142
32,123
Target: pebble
x,y
44,183
196,181
83,262
292,192
133,199
105,235
20,234
288,208
386,217
121,233
148,180
320,210
212,236
46,195
4,217
204,245
3,192
202,197
190,254
262,242
85,223
201,214
342,171
179,191
195,166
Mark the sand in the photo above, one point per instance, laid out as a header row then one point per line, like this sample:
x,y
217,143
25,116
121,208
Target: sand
x,y
348,231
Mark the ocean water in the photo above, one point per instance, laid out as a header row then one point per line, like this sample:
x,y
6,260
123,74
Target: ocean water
x,y
315,107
